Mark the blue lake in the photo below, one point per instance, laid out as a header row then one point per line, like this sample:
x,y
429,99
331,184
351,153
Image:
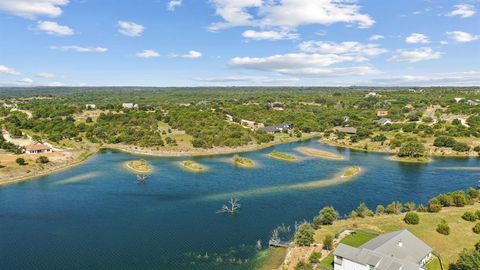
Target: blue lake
x,y
96,215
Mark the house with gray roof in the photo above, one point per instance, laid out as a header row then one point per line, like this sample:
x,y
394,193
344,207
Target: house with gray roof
x,y
400,250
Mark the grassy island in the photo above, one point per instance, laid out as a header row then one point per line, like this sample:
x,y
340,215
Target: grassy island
x,y
282,156
192,166
352,171
410,159
243,162
319,153
139,166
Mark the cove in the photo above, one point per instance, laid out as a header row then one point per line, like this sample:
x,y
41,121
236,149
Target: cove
x,y
96,215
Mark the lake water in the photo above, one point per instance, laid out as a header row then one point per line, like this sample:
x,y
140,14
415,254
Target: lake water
x,y
96,216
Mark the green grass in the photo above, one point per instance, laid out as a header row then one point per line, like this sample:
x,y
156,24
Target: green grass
x,y
355,239
434,265
283,156
270,258
243,162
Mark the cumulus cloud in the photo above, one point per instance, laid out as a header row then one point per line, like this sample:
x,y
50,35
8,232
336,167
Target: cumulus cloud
x,y
303,64
269,35
173,4
79,49
148,54
287,14
25,81
53,28
353,48
190,54
437,79
463,11
462,37
416,55
8,70
376,37
130,29
247,79
31,9
415,38
45,75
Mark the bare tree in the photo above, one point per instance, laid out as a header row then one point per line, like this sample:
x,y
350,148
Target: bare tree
x,y
231,207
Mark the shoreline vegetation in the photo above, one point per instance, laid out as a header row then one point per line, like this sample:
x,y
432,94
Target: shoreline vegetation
x,y
312,152
140,166
283,156
352,171
192,166
243,162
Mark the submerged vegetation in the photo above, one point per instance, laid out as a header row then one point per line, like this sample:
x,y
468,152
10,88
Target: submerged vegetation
x,y
243,162
192,166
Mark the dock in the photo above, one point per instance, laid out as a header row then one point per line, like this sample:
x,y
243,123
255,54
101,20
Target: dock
x,y
282,244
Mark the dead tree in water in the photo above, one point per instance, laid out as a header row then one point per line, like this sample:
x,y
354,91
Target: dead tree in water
x,y
141,178
232,208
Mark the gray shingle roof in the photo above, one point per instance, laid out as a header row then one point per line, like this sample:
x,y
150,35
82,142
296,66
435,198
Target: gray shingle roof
x,y
391,251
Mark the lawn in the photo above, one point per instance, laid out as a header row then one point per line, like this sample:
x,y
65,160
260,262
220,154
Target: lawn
x,y
355,239
461,234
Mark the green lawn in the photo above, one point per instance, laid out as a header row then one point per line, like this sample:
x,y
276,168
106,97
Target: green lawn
x,y
355,239
434,265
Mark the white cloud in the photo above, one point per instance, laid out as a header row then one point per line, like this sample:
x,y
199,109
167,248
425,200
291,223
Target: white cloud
x,y
33,8
45,75
8,70
173,4
303,64
147,54
463,11
130,29
287,14
53,28
25,81
416,55
190,54
248,79
438,79
79,49
462,37
415,38
376,37
55,84
359,50
269,35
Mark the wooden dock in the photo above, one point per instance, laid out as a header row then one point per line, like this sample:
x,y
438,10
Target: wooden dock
x,y
282,244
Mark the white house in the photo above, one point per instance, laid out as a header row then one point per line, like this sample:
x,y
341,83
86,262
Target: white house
x,y
90,106
400,250
129,105
384,121
37,148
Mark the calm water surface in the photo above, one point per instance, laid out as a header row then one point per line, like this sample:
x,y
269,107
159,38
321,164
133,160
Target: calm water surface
x,y
96,216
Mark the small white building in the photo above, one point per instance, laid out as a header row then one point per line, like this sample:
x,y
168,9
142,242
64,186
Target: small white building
x,y
37,148
400,250
129,105
90,106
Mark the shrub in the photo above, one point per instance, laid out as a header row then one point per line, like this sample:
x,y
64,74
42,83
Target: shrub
x,y
303,266
434,206
328,242
315,257
476,228
473,193
469,216
394,208
443,228
445,200
477,214
410,206
327,216
42,160
21,161
380,210
304,235
363,211
461,147
412,218
459,199
422,208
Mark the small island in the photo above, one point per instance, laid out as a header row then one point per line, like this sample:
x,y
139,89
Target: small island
x,y
192,166
410,159
352,171
243,162
319,153
282,156
139,166
411,152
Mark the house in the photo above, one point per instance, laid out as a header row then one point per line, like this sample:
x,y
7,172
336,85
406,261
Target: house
x,y
400,250
471,102
348,130
90,106
372,94
37,148
382,113
458,99
129,105
384,121
277,128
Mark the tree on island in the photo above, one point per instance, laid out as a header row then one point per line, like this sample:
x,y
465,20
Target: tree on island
x,y
412,150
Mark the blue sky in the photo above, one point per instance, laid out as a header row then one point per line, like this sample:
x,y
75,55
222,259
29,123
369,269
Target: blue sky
x,y
239,42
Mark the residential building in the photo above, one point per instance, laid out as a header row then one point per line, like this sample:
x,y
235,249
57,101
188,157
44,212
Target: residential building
x,y
382,113
277,128
129,106
400,250
384,121
37,148
90,106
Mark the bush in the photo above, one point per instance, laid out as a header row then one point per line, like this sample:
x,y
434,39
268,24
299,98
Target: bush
x,y
445,200
380,210
443,228
327,216
21,161
42,160
394,208
459,199
363,211
468,260
412,218
421,208
477,214
304,235
315,257
328,242
434,206
303,266
473,193
410,206
469,216
476,229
